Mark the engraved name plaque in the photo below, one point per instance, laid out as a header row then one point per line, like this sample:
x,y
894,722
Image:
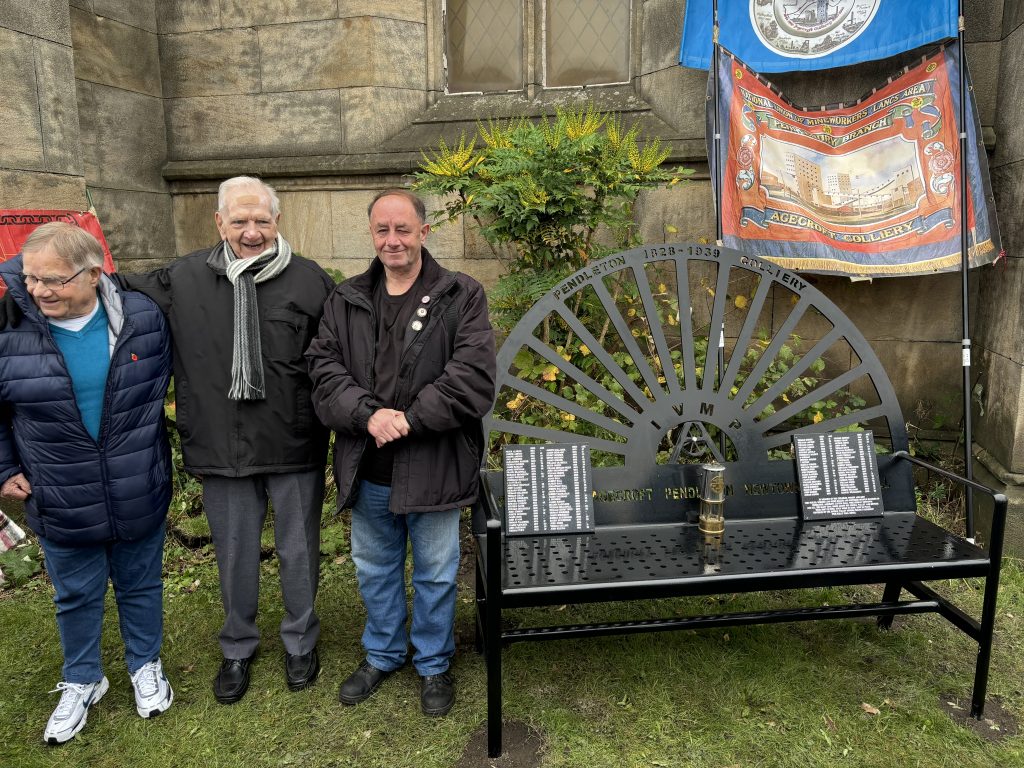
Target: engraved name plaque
x,y
548,489
838,475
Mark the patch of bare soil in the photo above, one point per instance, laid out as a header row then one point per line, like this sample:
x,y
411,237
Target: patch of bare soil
x,y
996,724
522,747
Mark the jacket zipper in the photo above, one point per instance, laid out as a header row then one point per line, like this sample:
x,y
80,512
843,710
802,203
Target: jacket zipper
x,y
126,326
358,300
443,290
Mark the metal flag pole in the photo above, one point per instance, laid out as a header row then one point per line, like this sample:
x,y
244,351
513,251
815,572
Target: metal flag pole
x,y
716,181
716,165
964,264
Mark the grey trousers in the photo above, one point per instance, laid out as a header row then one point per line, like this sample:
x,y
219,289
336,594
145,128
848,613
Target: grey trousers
x,y
236,508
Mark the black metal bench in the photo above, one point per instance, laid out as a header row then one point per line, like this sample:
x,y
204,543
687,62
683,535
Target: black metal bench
x,y
665,357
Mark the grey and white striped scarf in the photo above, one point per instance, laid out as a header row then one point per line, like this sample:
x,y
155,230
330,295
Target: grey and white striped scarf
x,y
247,355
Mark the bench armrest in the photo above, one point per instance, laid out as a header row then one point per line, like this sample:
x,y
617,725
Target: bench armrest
x,y
486,511
999,500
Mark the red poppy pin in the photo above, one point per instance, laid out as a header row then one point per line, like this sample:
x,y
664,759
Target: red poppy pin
x,y
134,357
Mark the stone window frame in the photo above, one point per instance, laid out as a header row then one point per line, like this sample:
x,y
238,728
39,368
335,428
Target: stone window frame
x,y
476,104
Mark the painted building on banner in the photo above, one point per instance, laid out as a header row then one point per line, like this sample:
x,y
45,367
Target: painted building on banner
x,y
141,107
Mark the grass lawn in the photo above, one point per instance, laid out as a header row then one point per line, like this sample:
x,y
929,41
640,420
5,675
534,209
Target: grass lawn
x,y
812,694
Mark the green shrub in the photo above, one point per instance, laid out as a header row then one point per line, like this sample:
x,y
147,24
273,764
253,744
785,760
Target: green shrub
x,y
539,191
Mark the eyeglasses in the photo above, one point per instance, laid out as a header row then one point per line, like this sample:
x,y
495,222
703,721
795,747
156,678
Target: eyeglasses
x,y
51,283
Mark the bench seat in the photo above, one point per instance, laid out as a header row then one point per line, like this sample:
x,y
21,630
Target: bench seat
x,y
899,551
638,562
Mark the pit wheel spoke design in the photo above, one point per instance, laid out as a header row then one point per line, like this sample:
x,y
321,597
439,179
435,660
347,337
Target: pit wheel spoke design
x,y
624,357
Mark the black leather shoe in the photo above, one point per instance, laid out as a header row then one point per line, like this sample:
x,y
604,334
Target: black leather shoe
x,y
361,684
437,694
232,680
301,670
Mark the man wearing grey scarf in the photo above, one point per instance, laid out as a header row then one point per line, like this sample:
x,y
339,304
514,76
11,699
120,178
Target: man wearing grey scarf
x,y
241,315
244,274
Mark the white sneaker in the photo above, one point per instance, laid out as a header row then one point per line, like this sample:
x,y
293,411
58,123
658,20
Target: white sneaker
x,y
70,715
153,693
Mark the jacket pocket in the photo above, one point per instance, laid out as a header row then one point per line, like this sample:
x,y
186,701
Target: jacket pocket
x,y
303,407
468,460
284,335
181,407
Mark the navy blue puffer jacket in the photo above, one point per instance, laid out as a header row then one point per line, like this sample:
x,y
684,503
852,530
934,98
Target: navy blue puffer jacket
x,y
86,492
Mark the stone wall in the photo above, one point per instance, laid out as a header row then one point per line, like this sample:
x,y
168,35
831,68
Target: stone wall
x,y
277,79
999,339
41,161
331,100
338,110
292,92
123,137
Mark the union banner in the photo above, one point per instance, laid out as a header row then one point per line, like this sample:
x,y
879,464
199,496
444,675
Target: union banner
x,y
869,188
16,226
785,35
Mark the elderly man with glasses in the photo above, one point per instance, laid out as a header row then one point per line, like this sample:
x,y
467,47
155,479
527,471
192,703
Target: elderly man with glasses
x,y
82,442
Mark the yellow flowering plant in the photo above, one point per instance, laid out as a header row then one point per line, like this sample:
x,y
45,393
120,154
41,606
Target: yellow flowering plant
x,y
540,190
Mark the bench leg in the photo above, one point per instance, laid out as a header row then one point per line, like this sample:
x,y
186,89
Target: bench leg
x,y
988,625
493,661
492,638
891,594
481,610
981,678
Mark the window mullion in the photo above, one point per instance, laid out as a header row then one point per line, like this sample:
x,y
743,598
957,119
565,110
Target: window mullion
x,y
533,13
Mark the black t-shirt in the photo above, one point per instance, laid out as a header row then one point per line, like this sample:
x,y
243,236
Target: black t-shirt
x,y
394,314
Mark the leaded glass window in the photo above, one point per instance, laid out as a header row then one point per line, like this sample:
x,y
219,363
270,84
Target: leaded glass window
x,y
492,45
586,42
484,45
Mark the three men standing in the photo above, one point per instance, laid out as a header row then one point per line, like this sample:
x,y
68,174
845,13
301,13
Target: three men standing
x,y
403,369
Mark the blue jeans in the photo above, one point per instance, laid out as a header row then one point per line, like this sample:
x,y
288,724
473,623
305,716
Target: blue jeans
x,y
378,550
79,576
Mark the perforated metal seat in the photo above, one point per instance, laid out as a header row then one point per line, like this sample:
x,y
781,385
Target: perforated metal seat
x,y
644,560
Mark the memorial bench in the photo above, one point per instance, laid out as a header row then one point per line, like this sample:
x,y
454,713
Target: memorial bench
x,y
616,358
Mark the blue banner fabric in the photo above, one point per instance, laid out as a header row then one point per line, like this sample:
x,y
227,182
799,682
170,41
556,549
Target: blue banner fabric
x,y
785,35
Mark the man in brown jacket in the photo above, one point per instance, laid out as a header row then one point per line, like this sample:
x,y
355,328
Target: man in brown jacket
x,y
403,369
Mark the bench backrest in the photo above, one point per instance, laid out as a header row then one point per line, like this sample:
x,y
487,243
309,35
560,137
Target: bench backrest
x,y
628,356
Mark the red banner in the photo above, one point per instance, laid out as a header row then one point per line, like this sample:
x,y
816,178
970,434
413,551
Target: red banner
x,y
871,188
16,226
